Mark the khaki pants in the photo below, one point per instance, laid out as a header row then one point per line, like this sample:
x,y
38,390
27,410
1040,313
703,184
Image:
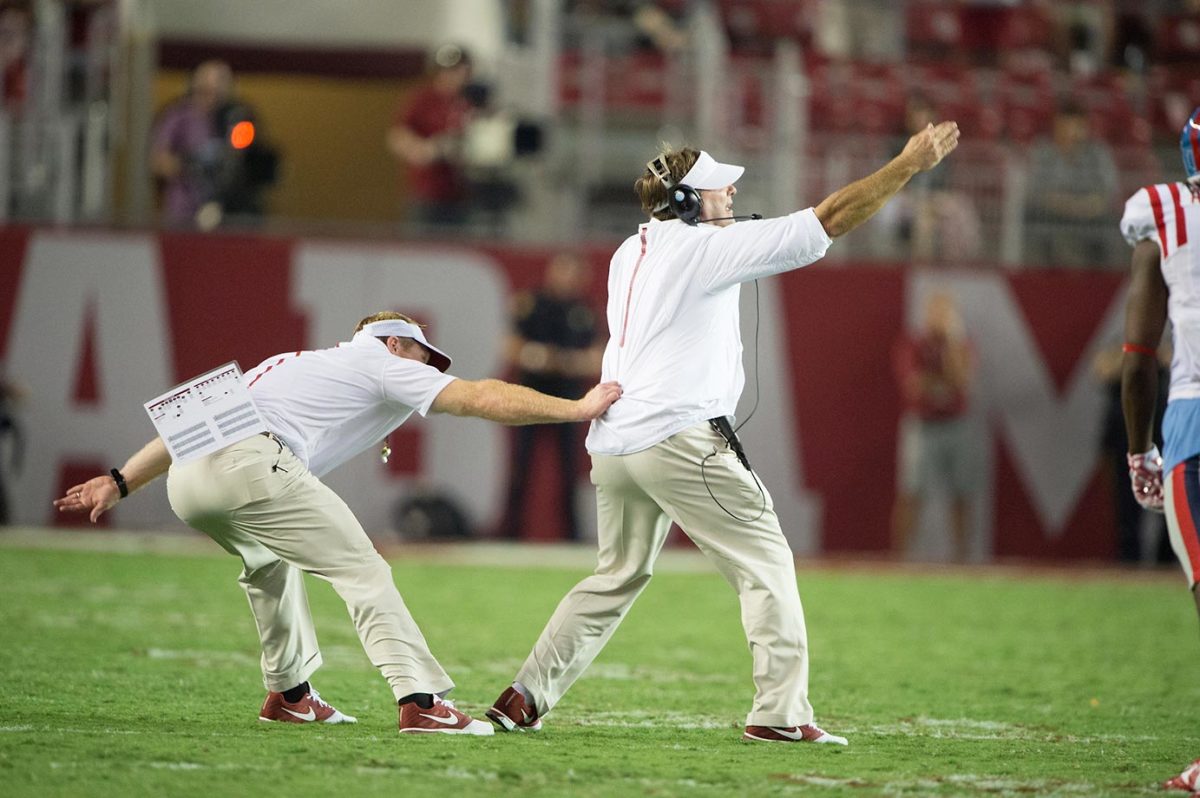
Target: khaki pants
x,y
261,504
637,497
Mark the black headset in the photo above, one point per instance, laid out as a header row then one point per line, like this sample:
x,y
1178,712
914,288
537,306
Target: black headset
x,y
682,199
684,202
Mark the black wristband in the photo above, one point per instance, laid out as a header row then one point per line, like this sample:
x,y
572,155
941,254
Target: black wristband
x,y
120,479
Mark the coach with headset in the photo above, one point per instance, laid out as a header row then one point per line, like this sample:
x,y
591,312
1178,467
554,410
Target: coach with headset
x,y
668,452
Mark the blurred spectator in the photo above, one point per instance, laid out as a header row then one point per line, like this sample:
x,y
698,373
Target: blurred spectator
x,y
12,440
872,30
934,368
14,50
1129,515
1072,184
427,137
930,220
627,24
1133,37
493,138
1084,33
209,155
553,348
667,34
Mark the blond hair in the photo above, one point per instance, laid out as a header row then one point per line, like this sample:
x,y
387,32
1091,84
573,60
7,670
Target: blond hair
x,y
385,315
649,187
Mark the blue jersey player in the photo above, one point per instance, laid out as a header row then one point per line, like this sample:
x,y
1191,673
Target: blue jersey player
x,y
1162,223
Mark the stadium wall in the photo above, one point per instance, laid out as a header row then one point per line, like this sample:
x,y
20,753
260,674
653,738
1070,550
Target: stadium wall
x,y
94,323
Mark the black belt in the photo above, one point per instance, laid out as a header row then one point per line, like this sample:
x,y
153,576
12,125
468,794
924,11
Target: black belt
x,y
271,436
723,428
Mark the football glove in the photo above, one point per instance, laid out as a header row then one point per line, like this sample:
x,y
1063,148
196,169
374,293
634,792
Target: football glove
x,y
1146,478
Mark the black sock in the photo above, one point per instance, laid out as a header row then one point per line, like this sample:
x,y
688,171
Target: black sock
x,y
423,700
296,693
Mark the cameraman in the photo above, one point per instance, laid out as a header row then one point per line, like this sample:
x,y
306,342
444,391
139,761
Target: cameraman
x,y
206,163
426,137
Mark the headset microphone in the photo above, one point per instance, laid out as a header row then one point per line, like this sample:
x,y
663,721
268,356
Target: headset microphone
x,y
750,217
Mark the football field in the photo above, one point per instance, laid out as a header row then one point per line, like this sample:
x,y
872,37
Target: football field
x,y
130,667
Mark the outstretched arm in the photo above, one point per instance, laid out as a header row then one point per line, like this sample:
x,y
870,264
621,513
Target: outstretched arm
x,y
100,494
1145,317
507,403
847,208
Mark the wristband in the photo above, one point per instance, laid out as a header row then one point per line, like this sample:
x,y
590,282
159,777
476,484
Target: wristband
x,y
120,480
1138,349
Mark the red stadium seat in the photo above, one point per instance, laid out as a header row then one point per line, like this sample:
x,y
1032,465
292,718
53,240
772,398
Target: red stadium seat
x,y
933,29
1109,108
1137,167
1174,92
754,25
632,81
1179,38
1026,103
1026,27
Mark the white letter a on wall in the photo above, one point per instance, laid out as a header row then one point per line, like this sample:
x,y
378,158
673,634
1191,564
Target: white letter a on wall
x,y
108,287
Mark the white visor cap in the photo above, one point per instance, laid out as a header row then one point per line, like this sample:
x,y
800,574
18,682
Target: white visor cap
x,y
707,173
402,329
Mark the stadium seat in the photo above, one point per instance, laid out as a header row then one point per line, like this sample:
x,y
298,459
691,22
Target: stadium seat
x,y
633,81
754,25
934,29
1137,166
1178,38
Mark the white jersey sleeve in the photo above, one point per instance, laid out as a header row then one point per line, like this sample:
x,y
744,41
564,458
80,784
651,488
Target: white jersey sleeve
x,y
760,248
412,383
1138,222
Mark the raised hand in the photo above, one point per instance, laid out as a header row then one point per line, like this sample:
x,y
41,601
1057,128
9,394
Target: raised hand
x,y
927,148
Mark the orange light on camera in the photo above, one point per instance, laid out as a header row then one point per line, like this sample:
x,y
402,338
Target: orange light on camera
x,y
242,135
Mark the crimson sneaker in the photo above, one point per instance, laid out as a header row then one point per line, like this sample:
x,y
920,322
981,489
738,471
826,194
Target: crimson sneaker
x,y
1188,780
311,708
441,718
512,712
808,733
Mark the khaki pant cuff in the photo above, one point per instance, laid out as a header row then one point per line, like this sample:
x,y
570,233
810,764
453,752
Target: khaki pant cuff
x,y
278,682
539,698
777,719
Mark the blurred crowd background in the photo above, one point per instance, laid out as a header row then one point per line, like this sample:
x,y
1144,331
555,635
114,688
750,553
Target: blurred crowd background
x,y
527,120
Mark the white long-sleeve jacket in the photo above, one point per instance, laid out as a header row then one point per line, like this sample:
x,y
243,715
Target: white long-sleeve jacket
x,y
675,342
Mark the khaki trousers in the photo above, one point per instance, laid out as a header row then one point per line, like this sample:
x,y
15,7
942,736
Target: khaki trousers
x,y
637,497
260,503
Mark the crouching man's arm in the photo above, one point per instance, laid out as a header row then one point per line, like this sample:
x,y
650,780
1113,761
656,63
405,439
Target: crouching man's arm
x,y
100,494
507,403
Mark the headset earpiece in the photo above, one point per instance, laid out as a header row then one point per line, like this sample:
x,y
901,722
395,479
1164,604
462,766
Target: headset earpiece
x,y
682,199
684,202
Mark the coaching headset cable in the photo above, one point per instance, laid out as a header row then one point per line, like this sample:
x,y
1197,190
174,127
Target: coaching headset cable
x,y
757,389
730,441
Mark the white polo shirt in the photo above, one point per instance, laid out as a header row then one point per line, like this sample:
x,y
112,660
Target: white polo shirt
x,y
328,405
675,343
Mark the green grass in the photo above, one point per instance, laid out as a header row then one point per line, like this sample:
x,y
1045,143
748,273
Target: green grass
x,y
137,674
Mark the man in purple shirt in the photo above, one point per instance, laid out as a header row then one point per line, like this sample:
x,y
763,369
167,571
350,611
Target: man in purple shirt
x,y
187,147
